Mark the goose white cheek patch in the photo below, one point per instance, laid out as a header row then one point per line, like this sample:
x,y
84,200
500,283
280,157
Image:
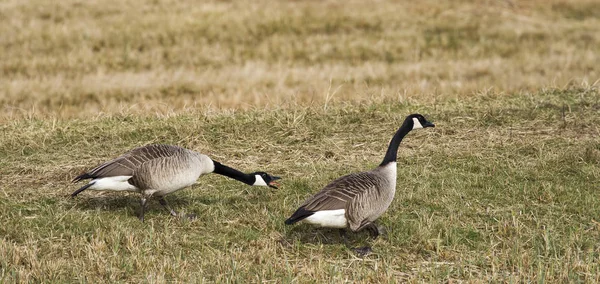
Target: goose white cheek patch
x,y
416,123
259,181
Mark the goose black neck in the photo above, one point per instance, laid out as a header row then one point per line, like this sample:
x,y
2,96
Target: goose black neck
x,y
392,151
233,173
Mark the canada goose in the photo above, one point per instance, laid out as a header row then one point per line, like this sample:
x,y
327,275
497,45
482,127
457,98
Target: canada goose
x,y
157,170
358,199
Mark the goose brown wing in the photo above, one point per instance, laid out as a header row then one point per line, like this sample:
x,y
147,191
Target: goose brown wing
x,y
336,195
341,191
126,164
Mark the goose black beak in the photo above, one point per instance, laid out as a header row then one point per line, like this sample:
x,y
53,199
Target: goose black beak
x,y
428,124
273,183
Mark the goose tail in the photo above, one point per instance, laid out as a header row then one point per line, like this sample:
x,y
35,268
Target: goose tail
x,y
82,189
82,177
299,215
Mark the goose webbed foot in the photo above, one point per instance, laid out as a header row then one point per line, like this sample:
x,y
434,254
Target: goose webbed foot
x,y
342,233
164,203
363,251
190,216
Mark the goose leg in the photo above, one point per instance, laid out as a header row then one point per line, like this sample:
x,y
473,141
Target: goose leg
x,y
380,230
373,230
163,202
361,251
143,207
343,237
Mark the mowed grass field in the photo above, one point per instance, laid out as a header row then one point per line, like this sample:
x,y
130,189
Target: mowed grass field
x,y
504,189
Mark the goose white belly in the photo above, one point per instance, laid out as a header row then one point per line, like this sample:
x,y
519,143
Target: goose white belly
x,y
171,188
329,218
180,181
116,183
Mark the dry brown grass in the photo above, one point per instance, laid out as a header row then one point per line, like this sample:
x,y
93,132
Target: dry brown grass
x,y
78,58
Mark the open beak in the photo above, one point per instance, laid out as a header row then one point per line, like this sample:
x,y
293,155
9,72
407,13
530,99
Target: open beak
x,y
273,183
428,124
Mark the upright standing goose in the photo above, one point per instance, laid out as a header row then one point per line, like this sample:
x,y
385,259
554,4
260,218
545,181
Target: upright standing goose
x,y
356,200
157,170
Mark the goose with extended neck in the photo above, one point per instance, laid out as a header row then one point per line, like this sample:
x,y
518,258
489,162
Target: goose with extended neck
x,y
157,170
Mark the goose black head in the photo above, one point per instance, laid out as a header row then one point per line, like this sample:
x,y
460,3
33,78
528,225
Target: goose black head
x,y
418,121
265,179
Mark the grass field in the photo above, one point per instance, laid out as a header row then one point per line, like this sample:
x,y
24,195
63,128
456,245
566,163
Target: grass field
x,y
79,58
505,188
